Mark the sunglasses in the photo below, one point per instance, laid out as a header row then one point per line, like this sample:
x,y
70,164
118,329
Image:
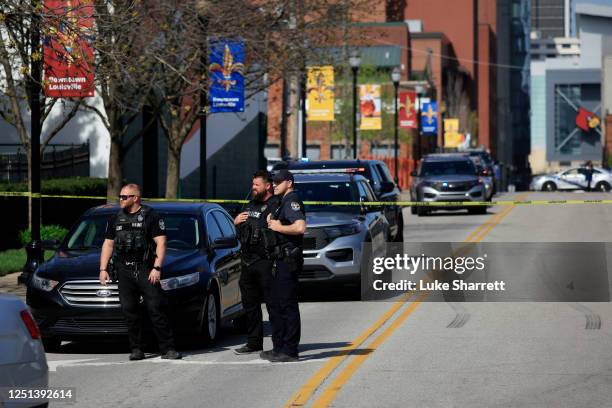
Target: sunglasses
x,y
125,197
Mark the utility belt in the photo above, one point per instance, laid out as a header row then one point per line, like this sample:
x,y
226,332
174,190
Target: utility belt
x,y
132,267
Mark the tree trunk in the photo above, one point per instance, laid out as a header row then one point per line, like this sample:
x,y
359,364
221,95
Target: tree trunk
x,y
173,172
115,174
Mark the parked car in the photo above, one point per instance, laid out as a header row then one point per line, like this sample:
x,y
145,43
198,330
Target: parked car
x,y
572,179
22,358
200,276
447,177
335,233
379,178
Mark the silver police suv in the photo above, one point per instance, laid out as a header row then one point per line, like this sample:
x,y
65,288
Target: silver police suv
x,y
447,177
335,233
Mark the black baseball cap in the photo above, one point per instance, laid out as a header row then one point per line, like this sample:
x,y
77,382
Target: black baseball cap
x,y
282,175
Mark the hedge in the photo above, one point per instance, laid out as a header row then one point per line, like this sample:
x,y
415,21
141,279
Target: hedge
x,y
82,186
46,232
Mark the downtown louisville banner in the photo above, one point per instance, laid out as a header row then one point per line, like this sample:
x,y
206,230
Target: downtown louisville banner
x,y
320,94
407,110
226,75
370,107
68,54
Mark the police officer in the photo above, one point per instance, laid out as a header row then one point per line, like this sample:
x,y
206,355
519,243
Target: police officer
x,y
137,234
289,225
256,265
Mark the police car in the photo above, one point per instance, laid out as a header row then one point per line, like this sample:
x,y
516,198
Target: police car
x,y
335,234
200,276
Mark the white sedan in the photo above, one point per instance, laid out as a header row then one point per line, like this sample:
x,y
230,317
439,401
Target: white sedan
x,y
572,179
23,363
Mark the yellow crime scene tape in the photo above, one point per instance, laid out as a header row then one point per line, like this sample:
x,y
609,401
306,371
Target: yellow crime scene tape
x,y
399,203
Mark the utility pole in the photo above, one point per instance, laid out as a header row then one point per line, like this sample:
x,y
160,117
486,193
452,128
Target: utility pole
x,y
203,106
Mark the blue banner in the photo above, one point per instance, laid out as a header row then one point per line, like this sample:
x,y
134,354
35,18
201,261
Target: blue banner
x,y
429,118
226,69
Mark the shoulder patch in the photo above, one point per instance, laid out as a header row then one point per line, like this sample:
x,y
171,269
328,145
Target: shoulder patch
x,y
162,225
295,206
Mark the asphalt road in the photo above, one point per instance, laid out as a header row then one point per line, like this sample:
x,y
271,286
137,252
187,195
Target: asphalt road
x,y
416,353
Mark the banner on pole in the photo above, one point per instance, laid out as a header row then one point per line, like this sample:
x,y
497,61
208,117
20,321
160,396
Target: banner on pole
x,y
407,110
68,54
429,118
226,67
320,91
369,107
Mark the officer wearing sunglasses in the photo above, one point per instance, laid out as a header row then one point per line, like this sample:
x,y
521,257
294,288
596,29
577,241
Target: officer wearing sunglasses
x,y
138,237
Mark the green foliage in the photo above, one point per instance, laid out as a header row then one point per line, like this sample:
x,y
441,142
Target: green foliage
x,y
46,232
80,186
13,260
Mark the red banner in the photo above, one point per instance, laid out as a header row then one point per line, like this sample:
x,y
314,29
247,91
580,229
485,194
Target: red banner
x,y
68,55
407,110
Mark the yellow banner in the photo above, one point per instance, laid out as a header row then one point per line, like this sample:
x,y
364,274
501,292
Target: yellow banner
x,y
369,107
452,137
320,91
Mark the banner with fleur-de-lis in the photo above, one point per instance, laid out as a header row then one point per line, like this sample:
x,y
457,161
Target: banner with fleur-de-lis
x,y
67,38
226,70
320,94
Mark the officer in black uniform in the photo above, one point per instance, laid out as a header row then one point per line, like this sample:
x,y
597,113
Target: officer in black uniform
x,y
137,235
256,265
289,225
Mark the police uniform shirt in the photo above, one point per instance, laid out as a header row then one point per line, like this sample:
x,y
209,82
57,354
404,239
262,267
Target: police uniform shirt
x,y
258,213
150,222
291,210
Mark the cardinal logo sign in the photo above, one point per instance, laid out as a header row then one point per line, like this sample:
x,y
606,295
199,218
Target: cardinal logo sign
x,y
586,120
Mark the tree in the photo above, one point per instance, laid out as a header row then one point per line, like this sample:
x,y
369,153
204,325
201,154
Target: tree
x,y
18,27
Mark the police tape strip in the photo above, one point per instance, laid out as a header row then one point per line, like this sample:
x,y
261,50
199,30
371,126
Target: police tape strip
x,y
400,203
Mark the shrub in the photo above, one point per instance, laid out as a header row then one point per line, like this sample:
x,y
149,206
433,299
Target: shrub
x,y
46,232
81,186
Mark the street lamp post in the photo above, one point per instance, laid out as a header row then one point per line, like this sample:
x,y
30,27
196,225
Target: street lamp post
x,y
419,91
395,77
354,61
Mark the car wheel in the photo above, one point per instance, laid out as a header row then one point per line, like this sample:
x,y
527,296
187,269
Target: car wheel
x,y
549,186
209,318
481,209
602,186
413,210
422,211
52,344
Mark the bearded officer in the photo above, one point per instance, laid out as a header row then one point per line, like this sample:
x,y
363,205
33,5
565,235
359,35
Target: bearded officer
x,y
289,225
137,235
256,265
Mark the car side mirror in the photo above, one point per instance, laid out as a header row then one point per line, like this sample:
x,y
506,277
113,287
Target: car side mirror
x,y
413,173
387,186
50,244
225,242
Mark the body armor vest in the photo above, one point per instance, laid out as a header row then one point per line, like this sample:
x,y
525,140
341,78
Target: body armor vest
x,y
131,241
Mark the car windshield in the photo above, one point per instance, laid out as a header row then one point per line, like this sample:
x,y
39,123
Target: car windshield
x,y
182,231
328,191
445,168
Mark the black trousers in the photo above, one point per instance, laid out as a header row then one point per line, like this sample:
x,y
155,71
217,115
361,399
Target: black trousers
x,y
255,288
284,308
131,288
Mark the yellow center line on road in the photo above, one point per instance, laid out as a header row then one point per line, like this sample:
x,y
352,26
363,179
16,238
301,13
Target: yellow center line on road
x,y
491,221
301,397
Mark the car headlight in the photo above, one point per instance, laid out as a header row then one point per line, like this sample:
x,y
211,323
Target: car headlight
x,y
342,230
180,281
44,284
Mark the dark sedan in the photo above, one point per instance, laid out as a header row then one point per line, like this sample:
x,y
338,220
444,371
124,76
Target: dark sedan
x,y
200,276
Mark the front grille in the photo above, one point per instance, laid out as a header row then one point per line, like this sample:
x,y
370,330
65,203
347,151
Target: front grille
x,y
314,272
454,186
315,238
104,325
90,293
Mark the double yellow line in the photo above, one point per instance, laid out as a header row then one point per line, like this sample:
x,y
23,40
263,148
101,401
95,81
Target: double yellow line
x,y
308,389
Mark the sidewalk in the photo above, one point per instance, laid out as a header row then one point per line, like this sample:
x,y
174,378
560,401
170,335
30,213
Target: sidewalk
x,y
8,284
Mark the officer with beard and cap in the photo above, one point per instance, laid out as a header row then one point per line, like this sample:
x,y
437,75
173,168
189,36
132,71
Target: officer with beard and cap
x,y
289,224
138,237
256,265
